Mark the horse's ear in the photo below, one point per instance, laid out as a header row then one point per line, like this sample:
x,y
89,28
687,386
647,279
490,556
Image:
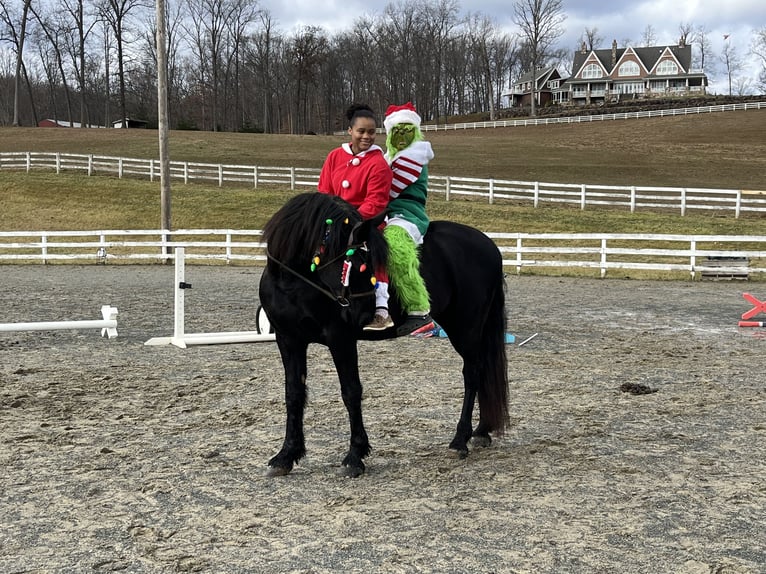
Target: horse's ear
x,y
361,231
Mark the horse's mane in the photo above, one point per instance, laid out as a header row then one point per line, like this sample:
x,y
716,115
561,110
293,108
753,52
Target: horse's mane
x,y
296,231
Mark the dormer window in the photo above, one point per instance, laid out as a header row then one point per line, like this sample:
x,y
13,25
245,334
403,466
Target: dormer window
x,y
667,68
628,69
592,71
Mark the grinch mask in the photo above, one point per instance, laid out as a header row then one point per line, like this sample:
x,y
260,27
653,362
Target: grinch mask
x,y
401,136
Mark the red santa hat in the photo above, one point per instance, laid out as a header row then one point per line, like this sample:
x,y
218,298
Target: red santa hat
x,y
405,114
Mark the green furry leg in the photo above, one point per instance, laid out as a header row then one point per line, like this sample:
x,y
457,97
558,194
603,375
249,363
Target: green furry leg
x,y
403,267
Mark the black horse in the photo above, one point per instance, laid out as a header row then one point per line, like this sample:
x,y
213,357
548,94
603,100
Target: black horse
x,y
317,288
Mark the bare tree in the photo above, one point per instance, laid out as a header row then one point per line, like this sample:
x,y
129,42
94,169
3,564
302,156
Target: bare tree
x,y
649,36
260,56
55,30
686,33
117,13
174,14
731,61
16,32
439,20
591,39
758,49
541,23
212,40
494,54
701,40
308,51
84,23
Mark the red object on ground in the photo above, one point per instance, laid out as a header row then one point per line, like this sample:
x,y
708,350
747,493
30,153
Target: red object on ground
x,y
759,306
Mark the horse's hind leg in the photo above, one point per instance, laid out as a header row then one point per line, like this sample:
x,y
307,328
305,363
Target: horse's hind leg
x,y
294,447
345,356
464,426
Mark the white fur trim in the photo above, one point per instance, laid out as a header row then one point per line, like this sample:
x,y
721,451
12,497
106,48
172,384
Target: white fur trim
x,y
401,117
408,226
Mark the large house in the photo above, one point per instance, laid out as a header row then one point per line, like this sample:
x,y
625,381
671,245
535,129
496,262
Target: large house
x,y
609,75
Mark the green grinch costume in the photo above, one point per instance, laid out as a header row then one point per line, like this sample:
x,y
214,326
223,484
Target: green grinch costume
x,y
408,154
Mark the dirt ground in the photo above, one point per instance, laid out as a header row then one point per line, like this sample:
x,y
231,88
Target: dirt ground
x,y
117,456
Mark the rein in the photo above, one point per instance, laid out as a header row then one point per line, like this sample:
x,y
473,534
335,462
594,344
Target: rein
x,y
341,299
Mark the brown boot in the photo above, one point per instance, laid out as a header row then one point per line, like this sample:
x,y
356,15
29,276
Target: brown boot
x,y
379,323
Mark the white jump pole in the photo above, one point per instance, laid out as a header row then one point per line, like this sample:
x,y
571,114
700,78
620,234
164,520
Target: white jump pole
x,y
182,339
108,324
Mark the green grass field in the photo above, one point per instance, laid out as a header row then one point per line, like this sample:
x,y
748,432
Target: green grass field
x,y
719,150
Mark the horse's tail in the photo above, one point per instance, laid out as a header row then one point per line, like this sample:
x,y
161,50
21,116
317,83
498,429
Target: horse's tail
x,y
493,388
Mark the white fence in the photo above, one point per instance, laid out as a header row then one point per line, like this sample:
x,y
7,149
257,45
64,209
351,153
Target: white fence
x,y
597,117
680,199
692,254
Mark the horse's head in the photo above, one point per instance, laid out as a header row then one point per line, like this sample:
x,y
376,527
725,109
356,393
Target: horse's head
x,y
320,243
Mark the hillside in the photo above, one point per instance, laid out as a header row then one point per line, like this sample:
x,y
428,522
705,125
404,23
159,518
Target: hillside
x,y
718,150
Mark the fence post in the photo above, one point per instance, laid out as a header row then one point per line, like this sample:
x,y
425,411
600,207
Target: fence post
x,y
58,163
186,172
582,196
632,198
537,194
491,191
90,165
738,206
518,255
693,258
683,201
151,170
292,179
603,257
447,189
255,177
228,247
119,168
29,161
220,175
44,250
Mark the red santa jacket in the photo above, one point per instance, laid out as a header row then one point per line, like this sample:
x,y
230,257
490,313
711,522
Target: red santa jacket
x,y
364,179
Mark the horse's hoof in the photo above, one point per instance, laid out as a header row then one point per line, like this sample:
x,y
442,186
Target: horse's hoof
x,y
481,441
351,471
277,471
460,453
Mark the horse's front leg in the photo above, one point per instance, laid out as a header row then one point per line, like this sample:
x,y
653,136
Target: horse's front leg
x,y
294,447
345,356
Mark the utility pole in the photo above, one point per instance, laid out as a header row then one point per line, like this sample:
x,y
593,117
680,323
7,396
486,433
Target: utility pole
x,y
162,116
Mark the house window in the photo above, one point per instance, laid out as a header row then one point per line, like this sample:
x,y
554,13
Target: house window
x,y
628,69
629,88
667,68
553,84
592,71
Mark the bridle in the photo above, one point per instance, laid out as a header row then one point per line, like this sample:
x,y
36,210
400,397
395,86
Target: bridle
x,y
344,297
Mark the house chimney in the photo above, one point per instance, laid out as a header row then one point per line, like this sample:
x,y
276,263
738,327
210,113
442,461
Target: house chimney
x,y
583,47
614,52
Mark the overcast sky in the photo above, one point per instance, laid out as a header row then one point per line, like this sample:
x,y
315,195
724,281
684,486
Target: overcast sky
x,y
618,19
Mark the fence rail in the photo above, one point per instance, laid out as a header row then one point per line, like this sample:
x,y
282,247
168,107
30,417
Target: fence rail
x,y
663,253
634,198
597,117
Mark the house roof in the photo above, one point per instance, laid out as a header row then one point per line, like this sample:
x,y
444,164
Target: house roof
x,y
649,57
542,74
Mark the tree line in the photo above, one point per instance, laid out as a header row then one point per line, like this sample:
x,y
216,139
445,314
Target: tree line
x,y
231,68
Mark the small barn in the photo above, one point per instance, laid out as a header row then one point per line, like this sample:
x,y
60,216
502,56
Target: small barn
x,y
130,123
